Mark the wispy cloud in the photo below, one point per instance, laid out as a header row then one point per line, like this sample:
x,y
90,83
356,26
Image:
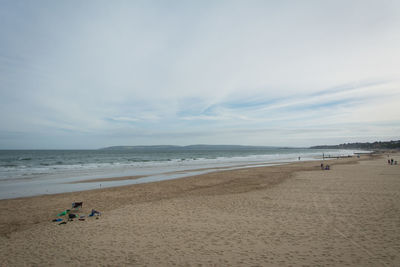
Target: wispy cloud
x,y
327,101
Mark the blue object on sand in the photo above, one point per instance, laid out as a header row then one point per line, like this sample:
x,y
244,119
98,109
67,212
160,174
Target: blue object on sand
x,y
94,212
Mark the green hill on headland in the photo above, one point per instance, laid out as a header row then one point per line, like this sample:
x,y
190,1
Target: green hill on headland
x,y
367,146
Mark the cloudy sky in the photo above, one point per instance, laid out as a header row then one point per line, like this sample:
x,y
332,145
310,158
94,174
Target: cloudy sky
x,y
90,74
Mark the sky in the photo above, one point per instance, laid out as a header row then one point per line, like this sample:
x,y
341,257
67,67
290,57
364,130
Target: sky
x,y
92,74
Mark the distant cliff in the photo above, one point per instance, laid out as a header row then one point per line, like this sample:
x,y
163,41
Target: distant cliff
x,y
191,147
139,147
366,146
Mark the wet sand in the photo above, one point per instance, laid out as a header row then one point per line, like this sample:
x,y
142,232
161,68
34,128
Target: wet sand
x,y
290,215
188,172
123,178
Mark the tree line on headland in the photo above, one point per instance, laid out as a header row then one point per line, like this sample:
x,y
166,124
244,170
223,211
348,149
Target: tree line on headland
x,y
368,146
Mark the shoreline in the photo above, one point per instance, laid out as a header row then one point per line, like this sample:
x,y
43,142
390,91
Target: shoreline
x,y
59,187
58,179
187,173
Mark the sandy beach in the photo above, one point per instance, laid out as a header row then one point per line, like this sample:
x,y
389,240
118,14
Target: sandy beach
x,y
289,215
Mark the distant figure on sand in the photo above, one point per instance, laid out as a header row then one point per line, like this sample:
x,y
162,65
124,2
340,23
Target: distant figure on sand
x,y
299,158
327,167
322,166
391,162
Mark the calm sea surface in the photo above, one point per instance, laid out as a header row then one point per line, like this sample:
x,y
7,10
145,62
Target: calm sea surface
x,y
35,172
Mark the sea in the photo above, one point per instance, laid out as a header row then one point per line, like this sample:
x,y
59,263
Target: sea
x,y
37,172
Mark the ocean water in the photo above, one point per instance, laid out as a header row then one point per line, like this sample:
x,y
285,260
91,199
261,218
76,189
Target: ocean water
x,y
36,172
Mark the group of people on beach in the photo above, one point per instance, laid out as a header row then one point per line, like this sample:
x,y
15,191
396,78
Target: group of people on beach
x,y
392,162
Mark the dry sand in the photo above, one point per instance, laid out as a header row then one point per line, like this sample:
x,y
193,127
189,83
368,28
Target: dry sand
x,y
292,215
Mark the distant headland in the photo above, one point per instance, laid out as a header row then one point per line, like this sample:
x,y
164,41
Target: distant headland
x,y
190,147
368,146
